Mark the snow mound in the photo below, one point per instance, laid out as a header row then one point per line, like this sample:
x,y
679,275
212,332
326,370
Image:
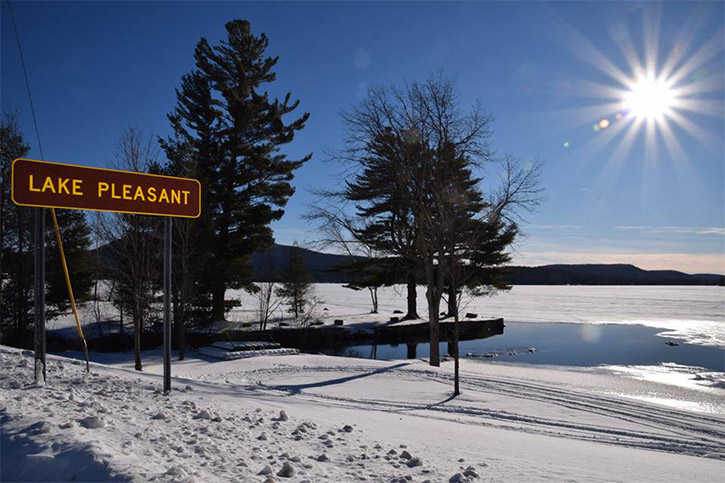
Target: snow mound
x,y
244,345
227,355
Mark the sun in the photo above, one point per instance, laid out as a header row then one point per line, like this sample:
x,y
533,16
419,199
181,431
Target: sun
x,y
649,98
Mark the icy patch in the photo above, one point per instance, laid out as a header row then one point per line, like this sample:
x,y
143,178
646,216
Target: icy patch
x,y
679,377
697,332
672,374
696,406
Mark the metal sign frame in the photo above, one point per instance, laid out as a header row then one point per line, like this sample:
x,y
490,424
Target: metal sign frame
x,y
112,203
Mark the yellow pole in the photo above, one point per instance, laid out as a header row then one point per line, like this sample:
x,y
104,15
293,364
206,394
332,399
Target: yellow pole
x,y
70,288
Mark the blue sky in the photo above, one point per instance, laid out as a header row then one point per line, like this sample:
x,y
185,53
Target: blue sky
x,y
543,71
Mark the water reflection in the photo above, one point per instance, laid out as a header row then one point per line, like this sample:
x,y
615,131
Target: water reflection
x,y
562,344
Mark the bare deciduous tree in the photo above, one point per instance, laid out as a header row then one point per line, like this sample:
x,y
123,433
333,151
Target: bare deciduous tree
x,y
190,248
450,142
311,312
133,241
267,302
340,230
475,236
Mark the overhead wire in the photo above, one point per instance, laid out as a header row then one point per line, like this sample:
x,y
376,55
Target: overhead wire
x,y
52,210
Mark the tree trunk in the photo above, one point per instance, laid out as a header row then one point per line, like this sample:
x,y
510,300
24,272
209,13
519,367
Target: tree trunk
x,y
137,326
137,341
452,301
182,351
412,298
374,298
296,304
265,300
218,291
456,375
433,306
96,307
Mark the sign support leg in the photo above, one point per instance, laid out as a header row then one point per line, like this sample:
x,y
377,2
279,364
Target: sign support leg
x,y
39,292
167,304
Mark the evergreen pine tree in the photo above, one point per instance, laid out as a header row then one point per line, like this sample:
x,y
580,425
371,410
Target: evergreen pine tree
x,y
75,235
484,269
296,285
236,132
16,250
385,199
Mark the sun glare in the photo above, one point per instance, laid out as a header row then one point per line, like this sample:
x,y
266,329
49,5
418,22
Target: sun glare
x,y
649,99
656,95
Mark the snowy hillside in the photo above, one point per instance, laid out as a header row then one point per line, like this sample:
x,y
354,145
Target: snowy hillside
x,y
318,418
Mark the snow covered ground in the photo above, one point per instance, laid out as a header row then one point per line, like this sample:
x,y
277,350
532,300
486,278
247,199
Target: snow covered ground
x,y
319,418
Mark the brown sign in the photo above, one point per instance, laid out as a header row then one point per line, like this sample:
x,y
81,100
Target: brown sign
x,y
46,184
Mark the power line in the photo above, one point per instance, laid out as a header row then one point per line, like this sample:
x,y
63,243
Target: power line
x,y
25,74
41,213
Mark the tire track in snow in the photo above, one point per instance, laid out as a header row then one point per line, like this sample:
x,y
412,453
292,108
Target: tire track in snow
x,y
675,431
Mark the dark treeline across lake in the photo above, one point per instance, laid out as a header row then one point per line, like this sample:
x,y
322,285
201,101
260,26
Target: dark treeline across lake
x,y
322,267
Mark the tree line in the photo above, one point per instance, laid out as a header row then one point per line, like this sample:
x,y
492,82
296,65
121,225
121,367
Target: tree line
x,y
16,249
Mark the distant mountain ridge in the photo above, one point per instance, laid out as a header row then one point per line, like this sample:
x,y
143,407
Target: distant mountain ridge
x,y
600,274
267,266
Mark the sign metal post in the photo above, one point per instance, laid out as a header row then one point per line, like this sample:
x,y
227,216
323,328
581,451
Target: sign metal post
x,y
167,304
39,293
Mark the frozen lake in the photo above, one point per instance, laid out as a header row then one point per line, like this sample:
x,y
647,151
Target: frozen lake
x,y
570,315
686,313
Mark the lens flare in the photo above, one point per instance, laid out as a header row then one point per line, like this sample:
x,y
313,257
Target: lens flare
x,y
590,333
604,124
